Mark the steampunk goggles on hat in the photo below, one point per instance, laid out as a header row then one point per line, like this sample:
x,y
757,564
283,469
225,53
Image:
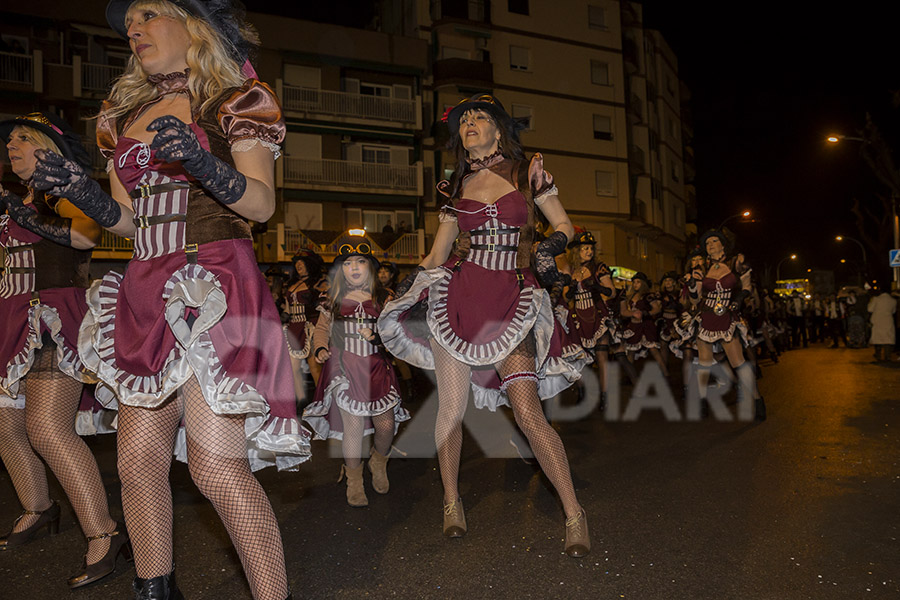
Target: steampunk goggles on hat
x,y
363,248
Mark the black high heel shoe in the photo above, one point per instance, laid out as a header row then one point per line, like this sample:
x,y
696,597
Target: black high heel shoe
x,y
157,588
119,543
49,517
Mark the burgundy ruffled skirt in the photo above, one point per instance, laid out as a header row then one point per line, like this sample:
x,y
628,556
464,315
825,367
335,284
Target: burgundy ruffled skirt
x,y
165,321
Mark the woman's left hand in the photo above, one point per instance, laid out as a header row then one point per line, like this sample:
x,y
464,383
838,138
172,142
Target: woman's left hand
x,y
174,141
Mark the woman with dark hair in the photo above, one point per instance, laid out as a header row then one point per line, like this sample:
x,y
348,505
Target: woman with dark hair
x,y
190,333
684,343
669,292
485,313
720,292
639,308
301,299
387,275
359,394
593,288
48,245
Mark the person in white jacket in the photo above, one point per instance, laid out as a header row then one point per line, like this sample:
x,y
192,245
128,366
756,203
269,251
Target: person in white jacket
x,y
883,307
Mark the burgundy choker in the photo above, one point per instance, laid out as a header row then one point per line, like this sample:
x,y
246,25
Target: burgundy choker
x,y
476,164
170,82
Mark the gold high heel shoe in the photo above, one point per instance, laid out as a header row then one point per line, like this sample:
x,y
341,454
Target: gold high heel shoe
x,y
49,517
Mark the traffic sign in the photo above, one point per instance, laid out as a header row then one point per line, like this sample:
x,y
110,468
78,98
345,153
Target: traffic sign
x,y
895,258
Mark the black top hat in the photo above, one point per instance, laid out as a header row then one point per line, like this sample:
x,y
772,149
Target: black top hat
x,y
225,16
361,249
669,275
392,267
68,142
582,239
715,233
490,105
643,277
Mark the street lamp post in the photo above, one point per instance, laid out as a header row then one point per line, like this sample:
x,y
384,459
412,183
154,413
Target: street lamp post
x,y
841,238
743,214
778,266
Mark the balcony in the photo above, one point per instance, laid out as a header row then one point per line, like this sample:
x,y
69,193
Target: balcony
x,y
343,176
17,68
460,71
350,106
112,246
406,248
98,78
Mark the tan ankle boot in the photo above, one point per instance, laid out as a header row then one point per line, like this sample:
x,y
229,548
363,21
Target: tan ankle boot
x,y
578,540
356,493
454,519
378,467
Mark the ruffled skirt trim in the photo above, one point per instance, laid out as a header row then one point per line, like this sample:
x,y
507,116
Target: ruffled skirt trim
x,y
277,441
320,414
299,344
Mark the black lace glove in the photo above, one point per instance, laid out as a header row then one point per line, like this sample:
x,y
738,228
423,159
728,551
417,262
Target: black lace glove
x,y
63,178
407,282
174,141
545,263
738,300
56,229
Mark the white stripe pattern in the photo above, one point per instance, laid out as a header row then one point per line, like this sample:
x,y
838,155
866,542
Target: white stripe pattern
x,y
13,284
583,299
164,238
353,340
296,310
494,260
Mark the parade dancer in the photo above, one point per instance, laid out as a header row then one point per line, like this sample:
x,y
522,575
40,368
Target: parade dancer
x,y
484,308
190,333
720,292
48,251
300,304
593,288
358,393
669,292
640,308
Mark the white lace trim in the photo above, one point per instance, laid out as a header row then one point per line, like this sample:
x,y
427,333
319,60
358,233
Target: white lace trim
x,y
553,191
247,144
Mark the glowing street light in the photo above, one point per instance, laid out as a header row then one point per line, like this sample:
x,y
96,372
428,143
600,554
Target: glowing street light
x,y
841,238
741,215
778,266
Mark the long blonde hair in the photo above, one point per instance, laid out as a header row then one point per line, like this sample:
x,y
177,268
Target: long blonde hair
x,y
35,137
212,67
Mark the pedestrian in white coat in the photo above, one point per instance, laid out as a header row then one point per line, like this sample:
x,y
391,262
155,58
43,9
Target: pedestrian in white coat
x,y
883,308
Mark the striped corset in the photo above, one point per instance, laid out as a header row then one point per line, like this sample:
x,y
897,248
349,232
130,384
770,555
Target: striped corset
x,y
495,245
584,299
155,239
18,266
296,311
354,342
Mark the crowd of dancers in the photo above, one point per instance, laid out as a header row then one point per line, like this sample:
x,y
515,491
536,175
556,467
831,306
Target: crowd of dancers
x,y
188,346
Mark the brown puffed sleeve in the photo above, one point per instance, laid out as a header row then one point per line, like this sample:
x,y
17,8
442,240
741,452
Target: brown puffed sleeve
x,y
252,113
107,135
541,181
446,213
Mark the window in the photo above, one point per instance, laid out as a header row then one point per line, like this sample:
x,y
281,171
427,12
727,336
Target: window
x,y
451,52
602,127
596,17
655,189
660,261
642,245
676,215
518,58
520,7
374,89
632,246
520,111
674,166
599,72
376,154
606,183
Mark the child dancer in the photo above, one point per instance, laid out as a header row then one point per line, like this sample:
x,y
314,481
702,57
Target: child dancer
x,y
358,393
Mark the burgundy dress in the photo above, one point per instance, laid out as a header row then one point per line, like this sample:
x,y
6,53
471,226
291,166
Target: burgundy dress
x,y
671,312
594,318
192,302
358,377
566,350
41,302
639,334
685,326
481,307
301,324
717,321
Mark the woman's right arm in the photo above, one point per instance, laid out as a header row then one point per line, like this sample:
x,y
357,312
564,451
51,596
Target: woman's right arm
x,y
443,244
322,337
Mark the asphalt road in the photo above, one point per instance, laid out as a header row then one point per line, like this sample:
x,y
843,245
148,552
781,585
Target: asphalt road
x,y
805,505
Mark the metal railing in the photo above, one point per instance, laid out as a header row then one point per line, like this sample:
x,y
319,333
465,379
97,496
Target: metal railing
x,y
110,242
349,174
16,68
344,104
98,78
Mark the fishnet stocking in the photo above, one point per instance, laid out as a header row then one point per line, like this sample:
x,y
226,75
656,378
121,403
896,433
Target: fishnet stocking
x,y
384,431
453,381
25,468
545,442
51,402
146,438
351,440
217,459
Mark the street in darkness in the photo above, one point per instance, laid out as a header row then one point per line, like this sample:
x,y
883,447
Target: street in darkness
x,y
804,505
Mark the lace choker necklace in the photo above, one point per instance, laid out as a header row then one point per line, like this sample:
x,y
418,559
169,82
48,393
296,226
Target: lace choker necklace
x,y
476,164
170,82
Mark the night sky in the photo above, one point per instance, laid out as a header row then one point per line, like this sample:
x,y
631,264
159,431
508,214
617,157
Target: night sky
x,y
768,82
